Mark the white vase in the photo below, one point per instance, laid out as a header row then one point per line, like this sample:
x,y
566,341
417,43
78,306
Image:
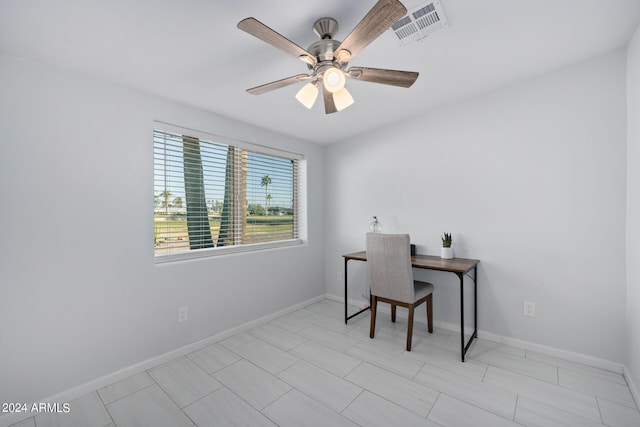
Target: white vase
x,y
446,253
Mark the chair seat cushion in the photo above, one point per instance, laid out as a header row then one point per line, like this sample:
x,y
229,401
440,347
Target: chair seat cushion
x,y
422,289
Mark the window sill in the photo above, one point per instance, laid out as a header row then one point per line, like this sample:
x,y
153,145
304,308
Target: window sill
x,y
213,252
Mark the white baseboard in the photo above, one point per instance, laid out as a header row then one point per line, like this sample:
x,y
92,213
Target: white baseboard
x,y
632,386
91,386
543,349
357,303
584,359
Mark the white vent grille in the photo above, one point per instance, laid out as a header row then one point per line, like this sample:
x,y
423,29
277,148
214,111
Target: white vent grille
x,y
419,23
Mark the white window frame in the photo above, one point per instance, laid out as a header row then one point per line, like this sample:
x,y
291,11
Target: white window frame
x,y
299,189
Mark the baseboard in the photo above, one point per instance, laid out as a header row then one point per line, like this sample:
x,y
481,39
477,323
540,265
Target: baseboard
x,y
91,386
543,349
584,359
632,386
357,303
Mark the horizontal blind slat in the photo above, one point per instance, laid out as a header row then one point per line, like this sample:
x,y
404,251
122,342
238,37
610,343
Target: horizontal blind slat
x,y
256,212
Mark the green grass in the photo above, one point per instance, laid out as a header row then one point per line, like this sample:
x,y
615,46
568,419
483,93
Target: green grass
x,y
171,231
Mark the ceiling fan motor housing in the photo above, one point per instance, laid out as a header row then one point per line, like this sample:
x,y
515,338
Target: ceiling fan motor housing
x,y
325,48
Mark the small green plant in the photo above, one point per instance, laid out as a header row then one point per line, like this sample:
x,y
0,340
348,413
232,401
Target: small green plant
x,y
446,240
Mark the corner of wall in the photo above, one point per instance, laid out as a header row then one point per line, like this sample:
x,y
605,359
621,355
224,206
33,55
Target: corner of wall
x,y
632,359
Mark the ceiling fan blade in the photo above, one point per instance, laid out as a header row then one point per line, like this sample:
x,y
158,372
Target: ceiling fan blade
x,y
266,34
385,77
383,14
329,104
267,87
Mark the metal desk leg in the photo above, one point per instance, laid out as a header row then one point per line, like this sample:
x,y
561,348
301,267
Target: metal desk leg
x,y
462,351
346,300
346,304
464,348
475,301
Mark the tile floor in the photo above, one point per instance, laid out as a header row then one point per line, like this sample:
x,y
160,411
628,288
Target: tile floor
x,y
309,368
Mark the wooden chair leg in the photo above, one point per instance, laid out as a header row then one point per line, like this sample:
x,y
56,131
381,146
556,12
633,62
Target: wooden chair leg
x,y
410,328
430,313
393,312
374,307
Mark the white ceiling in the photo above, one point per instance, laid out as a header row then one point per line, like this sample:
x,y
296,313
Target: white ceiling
x,y
190,51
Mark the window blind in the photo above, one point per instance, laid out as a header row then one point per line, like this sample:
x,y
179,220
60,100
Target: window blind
x,y
212,194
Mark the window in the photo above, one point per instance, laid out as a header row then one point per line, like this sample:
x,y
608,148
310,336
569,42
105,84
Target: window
x,y
215,195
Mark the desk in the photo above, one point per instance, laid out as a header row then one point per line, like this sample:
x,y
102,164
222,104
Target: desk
x,y
459,266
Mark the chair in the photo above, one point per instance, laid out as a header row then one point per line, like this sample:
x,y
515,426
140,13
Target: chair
x,y
391,278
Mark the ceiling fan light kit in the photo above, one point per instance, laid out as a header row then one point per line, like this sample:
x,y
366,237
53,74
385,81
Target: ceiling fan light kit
x,y
333,79
342,99
327,59
308,94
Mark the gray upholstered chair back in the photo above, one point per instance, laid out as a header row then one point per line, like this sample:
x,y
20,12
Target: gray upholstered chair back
x,y
389,266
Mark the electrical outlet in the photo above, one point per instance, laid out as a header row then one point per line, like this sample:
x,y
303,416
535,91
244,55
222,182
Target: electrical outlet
x,y
529,308
339,276
183,314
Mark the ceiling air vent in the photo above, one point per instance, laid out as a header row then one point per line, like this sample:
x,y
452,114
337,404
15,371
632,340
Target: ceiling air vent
x,y
419,23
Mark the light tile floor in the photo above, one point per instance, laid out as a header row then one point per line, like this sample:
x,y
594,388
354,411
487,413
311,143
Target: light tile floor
x,y
309,368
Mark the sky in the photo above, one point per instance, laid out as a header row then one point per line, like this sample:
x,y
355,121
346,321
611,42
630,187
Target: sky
x,y
169,173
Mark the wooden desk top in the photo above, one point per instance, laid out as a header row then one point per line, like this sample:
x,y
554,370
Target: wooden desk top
x,y
430,262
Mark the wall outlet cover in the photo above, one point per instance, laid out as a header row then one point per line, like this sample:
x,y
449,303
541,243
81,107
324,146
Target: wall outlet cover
x,y
529,308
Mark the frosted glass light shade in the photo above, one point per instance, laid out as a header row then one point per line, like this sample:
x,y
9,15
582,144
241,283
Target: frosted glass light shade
x,y
333,80
308,95
342,99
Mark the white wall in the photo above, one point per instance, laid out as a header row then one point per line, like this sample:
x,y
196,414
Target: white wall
x,y
80,296
633,210
531,180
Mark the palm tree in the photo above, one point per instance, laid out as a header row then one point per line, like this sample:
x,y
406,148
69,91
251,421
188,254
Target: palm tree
x,y
268,202
266,180
166,195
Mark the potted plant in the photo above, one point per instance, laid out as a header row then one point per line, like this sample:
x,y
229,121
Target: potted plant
x,y
447,251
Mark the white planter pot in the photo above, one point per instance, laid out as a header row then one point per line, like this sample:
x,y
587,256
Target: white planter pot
x,y
446,253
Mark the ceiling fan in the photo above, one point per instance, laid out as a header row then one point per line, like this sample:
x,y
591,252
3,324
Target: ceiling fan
x,y
327,59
